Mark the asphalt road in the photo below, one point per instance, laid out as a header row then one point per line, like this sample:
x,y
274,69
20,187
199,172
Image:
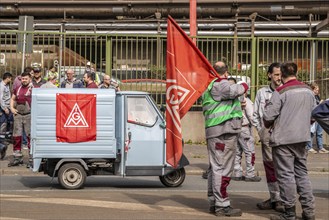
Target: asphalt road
x,y
34,197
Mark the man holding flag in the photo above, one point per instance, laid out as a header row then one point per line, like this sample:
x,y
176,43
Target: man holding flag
x,y
223,121
189,74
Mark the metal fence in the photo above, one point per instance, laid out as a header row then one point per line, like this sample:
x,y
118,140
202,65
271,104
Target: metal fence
x,y
139,61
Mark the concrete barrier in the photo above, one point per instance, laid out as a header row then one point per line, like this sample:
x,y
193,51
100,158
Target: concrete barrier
x,y
193,128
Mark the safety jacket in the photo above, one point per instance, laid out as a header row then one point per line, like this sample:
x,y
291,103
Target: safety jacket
x,y
217,112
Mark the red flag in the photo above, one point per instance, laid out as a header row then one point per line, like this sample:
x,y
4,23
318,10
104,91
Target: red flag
x,y
188,75
75,117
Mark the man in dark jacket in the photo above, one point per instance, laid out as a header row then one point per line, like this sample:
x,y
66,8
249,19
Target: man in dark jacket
x,y
321,115
70,81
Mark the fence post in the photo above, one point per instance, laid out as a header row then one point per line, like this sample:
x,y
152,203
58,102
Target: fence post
x,y
254,67
313,60
108,57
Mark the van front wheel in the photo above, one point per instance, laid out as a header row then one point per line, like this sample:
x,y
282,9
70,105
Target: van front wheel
x,y
72,176
173,179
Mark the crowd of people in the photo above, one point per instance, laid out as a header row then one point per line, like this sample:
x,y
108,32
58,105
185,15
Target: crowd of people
x,y
281,114
279,108
15,111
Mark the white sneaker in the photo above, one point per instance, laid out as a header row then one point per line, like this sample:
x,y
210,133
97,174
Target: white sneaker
x,y
312,151
323,151
24,146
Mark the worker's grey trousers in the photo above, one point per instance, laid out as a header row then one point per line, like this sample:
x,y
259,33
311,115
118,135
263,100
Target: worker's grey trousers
x,y
245,145
221,152
291,169
272,183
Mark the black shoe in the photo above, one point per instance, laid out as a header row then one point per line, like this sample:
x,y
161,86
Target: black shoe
x,y
278,206
228,211
212,209
205,175
253,179
238,178
308,217
265,205
3,152
288,214
15,162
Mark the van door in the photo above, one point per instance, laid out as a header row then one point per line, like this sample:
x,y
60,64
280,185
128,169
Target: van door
x,y
145,127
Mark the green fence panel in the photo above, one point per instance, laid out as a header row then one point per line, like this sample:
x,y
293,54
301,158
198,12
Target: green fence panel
x,y
139,61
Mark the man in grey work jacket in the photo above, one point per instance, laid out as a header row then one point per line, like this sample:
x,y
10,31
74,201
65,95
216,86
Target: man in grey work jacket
x,y
288,115
223,114
263,96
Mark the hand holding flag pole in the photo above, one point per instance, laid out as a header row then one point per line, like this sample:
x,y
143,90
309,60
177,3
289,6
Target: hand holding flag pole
x,y
188,75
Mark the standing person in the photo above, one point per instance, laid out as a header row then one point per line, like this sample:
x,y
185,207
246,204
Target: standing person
x,y
17,82
262,97
89,80
109,83
6,117
317,128
37,79
246,145
89,67
289,108
20,105
52,71
51,83
222,111
70,81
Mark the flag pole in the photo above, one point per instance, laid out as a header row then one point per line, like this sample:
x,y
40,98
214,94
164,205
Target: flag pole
x,y
193,20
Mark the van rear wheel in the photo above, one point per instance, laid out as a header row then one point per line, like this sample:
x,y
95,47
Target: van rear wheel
x,y
173,179
72,176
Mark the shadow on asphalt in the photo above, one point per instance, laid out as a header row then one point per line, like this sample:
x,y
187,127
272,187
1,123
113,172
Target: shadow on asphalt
x,y
246,203
44,182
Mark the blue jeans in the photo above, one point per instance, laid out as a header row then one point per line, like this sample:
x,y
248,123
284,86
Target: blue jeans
x,y
319,141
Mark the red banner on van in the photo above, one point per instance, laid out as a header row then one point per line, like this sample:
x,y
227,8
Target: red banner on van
x,y
75,118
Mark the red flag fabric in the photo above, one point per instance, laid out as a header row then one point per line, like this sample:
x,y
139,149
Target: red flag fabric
x,y
75,117
188,75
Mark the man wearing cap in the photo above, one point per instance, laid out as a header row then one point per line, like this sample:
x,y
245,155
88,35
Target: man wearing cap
x,y
37,79
223,121
89,68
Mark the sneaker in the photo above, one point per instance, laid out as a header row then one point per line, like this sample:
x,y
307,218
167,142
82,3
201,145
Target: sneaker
x,y
253,179
24,146
228,211
238,178
323,151
312,151
15,162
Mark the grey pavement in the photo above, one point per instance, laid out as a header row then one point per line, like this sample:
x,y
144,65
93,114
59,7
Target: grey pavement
x,y
318,164
242,196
